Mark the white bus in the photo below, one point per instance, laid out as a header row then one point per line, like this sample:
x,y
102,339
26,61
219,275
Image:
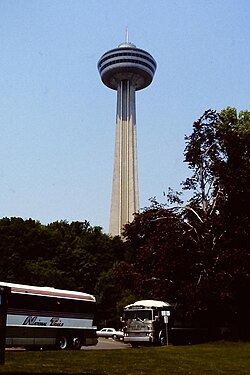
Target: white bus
x,y
150,322
146,323
39,317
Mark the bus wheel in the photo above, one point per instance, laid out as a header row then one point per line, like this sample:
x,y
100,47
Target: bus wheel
x,y
76,343
162,339
62,342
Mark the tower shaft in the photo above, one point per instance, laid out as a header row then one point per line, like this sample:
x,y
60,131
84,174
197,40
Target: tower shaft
x,y
125,195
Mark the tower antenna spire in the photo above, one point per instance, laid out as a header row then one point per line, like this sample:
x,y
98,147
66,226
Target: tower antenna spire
x,y
126,37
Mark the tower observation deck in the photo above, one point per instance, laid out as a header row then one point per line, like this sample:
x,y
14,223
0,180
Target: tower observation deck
x,y
125,69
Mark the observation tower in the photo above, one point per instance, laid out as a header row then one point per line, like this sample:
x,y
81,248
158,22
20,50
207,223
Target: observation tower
x,y
125,69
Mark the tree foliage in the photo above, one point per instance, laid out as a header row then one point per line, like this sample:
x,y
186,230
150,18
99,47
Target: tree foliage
x,y
197,254
67,256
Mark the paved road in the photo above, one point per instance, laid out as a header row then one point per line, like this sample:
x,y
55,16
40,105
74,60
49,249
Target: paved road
x,y
107,344
103,344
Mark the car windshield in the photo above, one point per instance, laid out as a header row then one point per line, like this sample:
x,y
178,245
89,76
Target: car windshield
x,y
138,314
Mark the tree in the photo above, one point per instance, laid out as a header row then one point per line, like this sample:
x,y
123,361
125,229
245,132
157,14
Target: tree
x,y
218,153
156,235
200,248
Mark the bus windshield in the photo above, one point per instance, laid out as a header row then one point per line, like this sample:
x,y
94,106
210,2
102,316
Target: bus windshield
x,y
139,314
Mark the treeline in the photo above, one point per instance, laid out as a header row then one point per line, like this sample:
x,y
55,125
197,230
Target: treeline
x,y
63,255
193,254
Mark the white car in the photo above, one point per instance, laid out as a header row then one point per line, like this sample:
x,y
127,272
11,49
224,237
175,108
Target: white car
x,y
110,332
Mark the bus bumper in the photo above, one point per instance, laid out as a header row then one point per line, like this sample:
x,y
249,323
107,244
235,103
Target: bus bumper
x,y
146,339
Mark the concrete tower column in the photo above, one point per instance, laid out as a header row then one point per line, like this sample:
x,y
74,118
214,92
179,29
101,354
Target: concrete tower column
x,y
125,69
125,194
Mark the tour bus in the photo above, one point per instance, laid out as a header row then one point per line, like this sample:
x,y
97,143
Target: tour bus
x,y
146,322
39,317
159,323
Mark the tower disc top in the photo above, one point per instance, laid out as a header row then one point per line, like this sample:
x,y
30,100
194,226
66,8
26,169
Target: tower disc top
x,y
127,62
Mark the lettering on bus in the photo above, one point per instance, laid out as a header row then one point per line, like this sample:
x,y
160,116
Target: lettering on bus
x,y
32,320
56,322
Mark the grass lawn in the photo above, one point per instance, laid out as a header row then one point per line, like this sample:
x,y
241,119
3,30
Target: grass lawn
x,y
212,358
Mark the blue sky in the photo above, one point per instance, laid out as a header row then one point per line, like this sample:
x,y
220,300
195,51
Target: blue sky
x,y
57,120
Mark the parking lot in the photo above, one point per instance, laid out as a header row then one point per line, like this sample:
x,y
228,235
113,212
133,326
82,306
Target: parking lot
x,y
107,344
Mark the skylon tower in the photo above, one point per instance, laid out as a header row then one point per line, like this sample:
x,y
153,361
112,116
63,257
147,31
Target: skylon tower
x,y
125,69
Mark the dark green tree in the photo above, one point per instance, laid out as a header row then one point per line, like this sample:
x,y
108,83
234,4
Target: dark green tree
x,y
218,154
197,253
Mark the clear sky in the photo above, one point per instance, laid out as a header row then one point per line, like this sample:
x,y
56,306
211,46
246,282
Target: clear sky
x,y
57,120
